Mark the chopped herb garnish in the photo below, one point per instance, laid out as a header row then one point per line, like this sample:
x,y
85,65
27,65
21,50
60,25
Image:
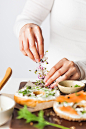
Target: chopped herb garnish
x,y
51,94
75,102
77,94
38,89
65,101
46,95
28,87
46,87
77,85
45,90
30,70
29,95
25,92
83,112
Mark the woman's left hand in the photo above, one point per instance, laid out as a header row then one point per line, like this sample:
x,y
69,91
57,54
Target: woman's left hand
x,y
65,69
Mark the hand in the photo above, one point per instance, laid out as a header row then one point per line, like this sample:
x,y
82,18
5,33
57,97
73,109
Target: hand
x,y
29,35
68,70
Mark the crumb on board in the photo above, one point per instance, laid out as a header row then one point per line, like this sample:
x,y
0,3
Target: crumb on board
x,y
50,119
80,124
52,113
72,127
31,123
57,120
47,114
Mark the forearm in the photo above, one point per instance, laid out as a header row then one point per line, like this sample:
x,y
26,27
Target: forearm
x,y
82,67
33,12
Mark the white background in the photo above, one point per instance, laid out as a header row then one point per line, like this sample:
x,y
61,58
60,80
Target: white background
x,y
10,55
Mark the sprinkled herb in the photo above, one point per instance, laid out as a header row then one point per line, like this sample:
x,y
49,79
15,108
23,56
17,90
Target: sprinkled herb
x,y
71,86
41,60
77,85
25,92
83,112
75,102
77,94
29,95
68,97
30,70
41,71
28,87
45,90
65,101
46,87
38,89
46,95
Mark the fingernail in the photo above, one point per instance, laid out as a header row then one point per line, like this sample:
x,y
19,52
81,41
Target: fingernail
x,y
41,56
37,60
47,84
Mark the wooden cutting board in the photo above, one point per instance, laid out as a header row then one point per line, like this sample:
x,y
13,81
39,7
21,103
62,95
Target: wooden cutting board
x,y
49,115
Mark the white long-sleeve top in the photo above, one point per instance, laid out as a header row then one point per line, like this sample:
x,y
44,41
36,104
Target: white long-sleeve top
x,y
67,28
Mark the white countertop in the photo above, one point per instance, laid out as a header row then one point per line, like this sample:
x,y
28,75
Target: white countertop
x,y
11,87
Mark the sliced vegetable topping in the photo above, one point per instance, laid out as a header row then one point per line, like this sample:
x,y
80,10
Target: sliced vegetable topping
x,y
75,97
68,109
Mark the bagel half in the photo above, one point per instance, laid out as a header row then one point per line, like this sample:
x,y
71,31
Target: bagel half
x,y
71,107
35,96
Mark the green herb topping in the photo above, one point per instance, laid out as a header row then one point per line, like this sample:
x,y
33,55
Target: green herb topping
x,y
77,85
83,112
77,94
25,92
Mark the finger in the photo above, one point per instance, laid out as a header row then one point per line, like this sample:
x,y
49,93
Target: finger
x,y
53,70
40,41
66,76
21,47
75,77
57,74
37,47
33,49
26,47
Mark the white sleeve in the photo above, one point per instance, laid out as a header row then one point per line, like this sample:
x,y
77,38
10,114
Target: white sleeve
x,y
35,11
82,67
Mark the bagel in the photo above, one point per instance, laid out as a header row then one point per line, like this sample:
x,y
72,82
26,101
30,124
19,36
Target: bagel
x,y
71,107
31,95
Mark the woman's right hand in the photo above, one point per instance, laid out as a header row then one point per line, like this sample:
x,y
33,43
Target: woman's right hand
x,y
31,41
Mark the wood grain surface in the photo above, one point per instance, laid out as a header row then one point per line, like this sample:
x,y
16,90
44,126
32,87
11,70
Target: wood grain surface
x,y
49,115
